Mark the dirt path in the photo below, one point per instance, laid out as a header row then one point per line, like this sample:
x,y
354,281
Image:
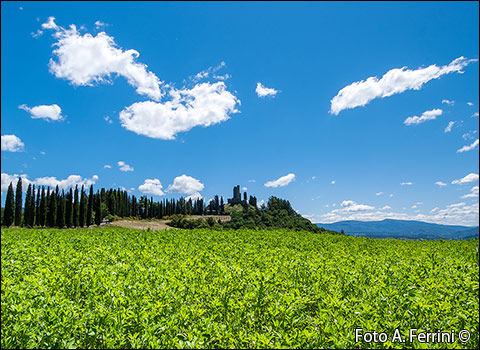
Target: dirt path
x,y
160,224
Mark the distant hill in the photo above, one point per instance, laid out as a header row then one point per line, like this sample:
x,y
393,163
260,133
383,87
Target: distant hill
x,y
406,229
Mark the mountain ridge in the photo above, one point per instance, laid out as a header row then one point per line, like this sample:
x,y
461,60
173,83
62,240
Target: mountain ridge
x,y
408,229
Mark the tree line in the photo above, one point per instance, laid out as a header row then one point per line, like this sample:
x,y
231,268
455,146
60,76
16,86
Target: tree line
x,y
47,207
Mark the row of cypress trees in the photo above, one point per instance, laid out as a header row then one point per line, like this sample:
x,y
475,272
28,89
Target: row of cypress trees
x,y
75,208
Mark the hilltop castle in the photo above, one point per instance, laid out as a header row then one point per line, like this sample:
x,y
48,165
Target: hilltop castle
x,y
237,198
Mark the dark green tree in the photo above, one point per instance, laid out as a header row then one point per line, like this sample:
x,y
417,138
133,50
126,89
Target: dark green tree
x,y
68,209
26,211
90,206
98,210
42,219
37,208
18,203
60,210
8,213
81,214
75,207
52,210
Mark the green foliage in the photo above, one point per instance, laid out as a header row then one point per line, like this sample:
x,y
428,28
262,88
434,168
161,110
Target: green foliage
x,y
120,288
277,214
8,214
18,203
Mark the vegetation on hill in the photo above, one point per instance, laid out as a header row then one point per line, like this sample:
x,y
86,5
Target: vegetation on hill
x,y
277,213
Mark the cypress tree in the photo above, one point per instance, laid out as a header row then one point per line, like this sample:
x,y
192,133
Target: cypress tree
x,y
81,214
18,203
60,210
31,222
8,214
43,209
68,209
52,210
37,211
75,207
98,210
26,211
90,206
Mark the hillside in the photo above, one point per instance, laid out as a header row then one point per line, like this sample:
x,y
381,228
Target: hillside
x,y
390,228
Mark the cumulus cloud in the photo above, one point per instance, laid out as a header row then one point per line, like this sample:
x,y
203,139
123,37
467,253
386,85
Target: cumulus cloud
x,y
280,182
244,189
378,193
448,102
456,214
473,193
152,186
385,207
440,183
406,183
99,24
472,177
11,143
195,196
6,179
124,167
470,103
203,105
427,115
393,82
469,147
352,206
47,112
106,166
475,114
85,59
449,127
332,182
263,91
185,184
70,181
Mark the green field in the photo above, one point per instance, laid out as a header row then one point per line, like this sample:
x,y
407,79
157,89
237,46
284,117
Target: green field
x,y
121,288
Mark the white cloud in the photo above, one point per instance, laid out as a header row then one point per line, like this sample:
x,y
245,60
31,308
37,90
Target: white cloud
x,y
42,153
86,59
440,183
434,210
280,182
108,119
99,24
391,195
473,193
347,203
449,127
124,167
378,193
152,186
263,91
427,115
195,196
107,166
457,214
393,82
450,103
47,112
260,203
37,34
468,148
414,206
6,179
205,104
352,206
244,189
332,182
475,114
470,103
11,143
469,135
472,177
252,180
406,183
50,24
185,184
70,181
211,70
385,207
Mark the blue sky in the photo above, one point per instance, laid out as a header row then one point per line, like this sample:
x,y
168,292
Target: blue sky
x,y
311,102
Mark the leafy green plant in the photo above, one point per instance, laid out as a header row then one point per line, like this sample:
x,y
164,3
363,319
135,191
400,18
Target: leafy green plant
x,y
204,288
